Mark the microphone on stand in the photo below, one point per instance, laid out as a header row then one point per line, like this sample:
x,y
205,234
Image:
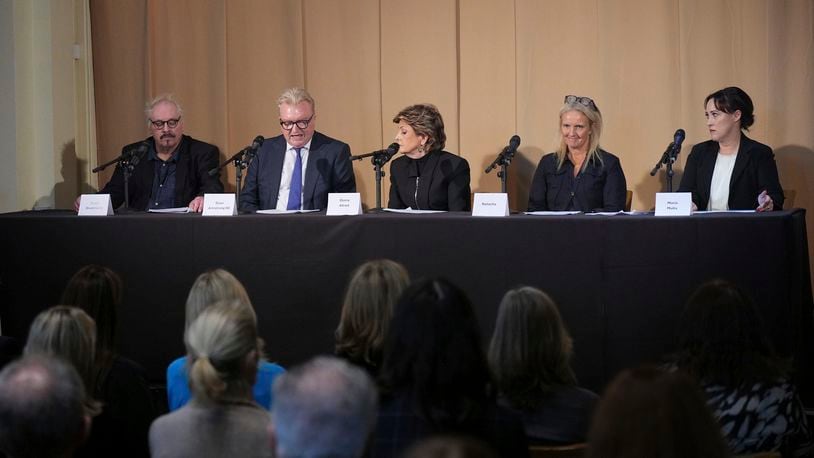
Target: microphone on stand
x,y
671,153
133,154
507,154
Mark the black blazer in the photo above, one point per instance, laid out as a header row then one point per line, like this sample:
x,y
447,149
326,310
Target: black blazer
x,y
599,187
754,171
328,170
443,184
192,179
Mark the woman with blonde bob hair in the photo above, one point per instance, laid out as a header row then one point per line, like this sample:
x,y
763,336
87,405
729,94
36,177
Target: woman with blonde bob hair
x,y
530,355
373,290
222,419
68,333
580,175
211,287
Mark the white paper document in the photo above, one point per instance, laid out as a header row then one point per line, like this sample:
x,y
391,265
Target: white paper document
x,y
169,210
412,212
274,211
548,213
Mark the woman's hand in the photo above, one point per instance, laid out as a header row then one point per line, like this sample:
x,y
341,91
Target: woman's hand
x,y
765,203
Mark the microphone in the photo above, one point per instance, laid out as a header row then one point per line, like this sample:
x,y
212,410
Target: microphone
x,y
251,151
669,155
390,152
133,154
678,139
505,156
137,153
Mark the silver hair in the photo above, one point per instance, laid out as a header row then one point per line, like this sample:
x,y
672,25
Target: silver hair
x,y
163,98
295,95
326,407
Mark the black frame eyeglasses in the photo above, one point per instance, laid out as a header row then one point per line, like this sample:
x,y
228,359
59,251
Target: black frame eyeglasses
x,y
171,123
584,101
302,123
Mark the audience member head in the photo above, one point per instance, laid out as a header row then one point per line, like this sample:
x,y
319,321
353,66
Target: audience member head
x,y
433,352
450,447
68,333
721,338
223,351
98,291
326,407
374,288
41,408
531,349
647,412
210,287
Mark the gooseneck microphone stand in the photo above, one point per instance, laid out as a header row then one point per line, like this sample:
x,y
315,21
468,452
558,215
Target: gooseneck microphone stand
x,y
241,160
378,159
503,160
667,159
127,162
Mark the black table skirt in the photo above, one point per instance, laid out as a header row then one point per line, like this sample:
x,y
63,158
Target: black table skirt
x,y
620,281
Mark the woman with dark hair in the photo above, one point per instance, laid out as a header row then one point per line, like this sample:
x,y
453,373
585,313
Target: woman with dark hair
x,y
722,344
648,412
435,378
119,383
373,290
731,171
426,177
580,175
530,354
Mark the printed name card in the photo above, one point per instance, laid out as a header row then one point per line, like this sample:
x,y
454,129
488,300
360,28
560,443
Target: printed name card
x,y
673,204
95,205
490,204
219,204
344,203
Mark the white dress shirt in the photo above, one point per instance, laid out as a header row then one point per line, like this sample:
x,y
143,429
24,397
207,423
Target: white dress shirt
x,y
288,169
721,177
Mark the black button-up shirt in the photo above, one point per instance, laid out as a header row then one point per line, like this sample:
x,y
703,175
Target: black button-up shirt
x,y
163,192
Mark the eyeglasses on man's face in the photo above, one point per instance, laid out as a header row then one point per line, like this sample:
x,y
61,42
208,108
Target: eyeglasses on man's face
x,y
302,123
585,101
159,124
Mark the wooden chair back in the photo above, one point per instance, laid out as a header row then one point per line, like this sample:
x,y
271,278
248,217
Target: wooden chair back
x,y
558,451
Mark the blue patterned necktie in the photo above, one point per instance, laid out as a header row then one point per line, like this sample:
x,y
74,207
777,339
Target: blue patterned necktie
x,y
295,190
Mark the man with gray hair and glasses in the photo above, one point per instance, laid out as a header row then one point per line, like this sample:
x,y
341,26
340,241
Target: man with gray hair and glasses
x,y
42,412
326,407
297,169
172,170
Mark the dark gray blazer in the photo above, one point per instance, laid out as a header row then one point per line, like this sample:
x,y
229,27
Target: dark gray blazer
x,y
328,170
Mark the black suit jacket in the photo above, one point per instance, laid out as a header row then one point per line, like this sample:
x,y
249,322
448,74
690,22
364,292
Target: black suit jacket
x,y
443,184
754,171
328,170
195,160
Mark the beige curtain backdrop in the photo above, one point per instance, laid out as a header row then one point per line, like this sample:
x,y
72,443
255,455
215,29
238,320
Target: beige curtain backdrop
x,y
493,67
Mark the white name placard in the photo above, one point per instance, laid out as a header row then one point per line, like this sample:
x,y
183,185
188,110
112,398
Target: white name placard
x,y
673,204
219,204
95,205
490,204
344,203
